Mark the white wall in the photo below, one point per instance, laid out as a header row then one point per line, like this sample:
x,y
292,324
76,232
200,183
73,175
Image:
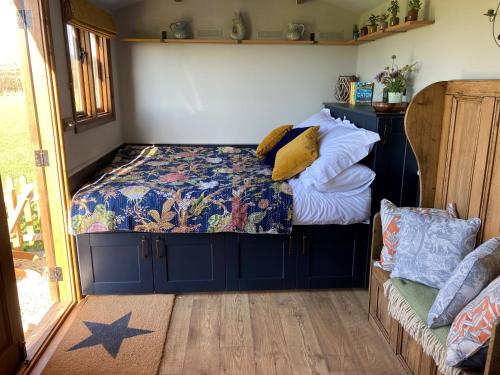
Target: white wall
x,y
226,93
458,46
86,147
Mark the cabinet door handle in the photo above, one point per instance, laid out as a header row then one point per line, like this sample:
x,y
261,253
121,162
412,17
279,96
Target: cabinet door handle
x,y
384,139
290,246
144,247
304,244
159,253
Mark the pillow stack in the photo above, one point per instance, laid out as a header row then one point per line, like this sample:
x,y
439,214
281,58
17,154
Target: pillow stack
x,y
435,248
325,151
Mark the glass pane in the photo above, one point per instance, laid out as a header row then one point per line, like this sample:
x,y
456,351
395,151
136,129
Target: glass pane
x,y
96,70
74,52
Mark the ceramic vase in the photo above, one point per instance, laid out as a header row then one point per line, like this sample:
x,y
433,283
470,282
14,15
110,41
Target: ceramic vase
x,y
295,31
239,31
395,97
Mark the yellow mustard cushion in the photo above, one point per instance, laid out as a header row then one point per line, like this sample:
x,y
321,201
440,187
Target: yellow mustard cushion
x,y
297,155
272,139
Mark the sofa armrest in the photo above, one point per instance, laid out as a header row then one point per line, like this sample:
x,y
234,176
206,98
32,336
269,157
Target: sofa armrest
x,y
493,358
377,242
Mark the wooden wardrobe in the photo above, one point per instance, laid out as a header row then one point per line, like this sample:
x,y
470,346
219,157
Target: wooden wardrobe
x,y
453,128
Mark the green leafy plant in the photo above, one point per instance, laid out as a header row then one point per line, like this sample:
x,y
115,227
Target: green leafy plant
x,y
383,17
394,7
394,78
372,20
415,5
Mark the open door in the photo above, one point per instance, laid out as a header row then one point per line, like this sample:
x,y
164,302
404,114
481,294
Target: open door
x,y
12,347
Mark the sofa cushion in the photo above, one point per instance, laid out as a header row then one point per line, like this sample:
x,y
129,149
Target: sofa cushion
x,y
431,247
476,271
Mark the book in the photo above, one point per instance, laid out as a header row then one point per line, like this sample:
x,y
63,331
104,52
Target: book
x,y
361,93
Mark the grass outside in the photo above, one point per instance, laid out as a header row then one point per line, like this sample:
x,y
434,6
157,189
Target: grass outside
x,y
16,150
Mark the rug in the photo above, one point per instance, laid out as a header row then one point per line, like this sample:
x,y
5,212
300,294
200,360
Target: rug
x,y
115,335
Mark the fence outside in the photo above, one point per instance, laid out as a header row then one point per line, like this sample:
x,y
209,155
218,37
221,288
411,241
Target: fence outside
x,y
22,214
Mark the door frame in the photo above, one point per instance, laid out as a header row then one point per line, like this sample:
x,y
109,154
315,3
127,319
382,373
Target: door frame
x,y
50,135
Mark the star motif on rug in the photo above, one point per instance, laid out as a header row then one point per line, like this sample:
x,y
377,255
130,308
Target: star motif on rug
x,y
110,336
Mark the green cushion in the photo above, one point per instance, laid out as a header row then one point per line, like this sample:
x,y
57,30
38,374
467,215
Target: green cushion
x,y
420,298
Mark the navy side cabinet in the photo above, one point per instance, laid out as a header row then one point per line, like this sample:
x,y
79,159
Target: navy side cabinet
x,y
393,159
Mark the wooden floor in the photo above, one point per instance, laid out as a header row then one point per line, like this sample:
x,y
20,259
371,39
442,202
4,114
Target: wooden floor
x,y
311,332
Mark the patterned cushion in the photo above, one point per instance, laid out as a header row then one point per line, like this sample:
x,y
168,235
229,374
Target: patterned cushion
x,y
296,155
272,139
390,214
469,278
472,328
431,247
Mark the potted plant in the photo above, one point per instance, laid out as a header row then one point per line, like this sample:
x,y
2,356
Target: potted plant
x,y
394,10
413,7
395,80
382,21
372,23
363,31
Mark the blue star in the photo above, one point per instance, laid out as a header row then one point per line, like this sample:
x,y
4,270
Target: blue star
x,y
110,336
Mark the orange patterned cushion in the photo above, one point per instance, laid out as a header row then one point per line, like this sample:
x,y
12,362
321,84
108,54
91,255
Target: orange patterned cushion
x,y
390,215
472,328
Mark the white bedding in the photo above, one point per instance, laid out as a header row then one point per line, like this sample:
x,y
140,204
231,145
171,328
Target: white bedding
x,y
310,207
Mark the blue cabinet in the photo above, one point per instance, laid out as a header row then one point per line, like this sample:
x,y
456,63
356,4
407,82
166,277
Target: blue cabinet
x,y
115,263
188,263
260,262
332,256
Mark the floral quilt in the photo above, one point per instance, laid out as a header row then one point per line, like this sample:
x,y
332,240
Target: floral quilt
x,y
184,189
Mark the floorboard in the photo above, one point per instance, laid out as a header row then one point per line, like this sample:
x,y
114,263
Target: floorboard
x,y
293,332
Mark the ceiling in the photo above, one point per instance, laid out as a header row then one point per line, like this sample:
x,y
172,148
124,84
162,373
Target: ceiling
x,y
356,6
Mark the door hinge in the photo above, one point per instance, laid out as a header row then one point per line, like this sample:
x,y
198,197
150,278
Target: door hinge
x,y
24,19
22,349
55,274
41,158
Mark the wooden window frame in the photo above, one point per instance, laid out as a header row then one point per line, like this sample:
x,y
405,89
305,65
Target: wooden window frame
x,y
92,116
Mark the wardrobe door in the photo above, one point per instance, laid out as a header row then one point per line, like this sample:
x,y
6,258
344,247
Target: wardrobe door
x,y
115,263
188,262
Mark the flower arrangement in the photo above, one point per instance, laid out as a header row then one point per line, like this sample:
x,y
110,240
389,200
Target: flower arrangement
x,y
394,78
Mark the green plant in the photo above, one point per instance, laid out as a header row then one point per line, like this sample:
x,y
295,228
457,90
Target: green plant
x,y
394,8
415,5
372,20
383,17
393,78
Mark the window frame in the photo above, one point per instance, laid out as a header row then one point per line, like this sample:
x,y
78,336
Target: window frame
x,y
91,115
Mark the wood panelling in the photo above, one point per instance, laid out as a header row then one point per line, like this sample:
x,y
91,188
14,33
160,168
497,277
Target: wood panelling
x,y
453,128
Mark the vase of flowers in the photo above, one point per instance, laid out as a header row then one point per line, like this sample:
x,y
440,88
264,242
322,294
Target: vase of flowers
x,y
413,7
394,10
395,80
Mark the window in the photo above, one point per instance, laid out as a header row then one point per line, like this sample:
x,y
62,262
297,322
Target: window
x,y
89,62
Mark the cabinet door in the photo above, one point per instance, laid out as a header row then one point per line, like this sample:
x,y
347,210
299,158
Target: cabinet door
x,y
115,263
333,256
260,262
189,262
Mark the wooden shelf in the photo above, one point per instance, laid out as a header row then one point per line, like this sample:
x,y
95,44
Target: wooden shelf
x,y
246,41
410,25
402,28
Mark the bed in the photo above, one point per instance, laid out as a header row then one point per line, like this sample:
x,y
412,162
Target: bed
x,y
172,218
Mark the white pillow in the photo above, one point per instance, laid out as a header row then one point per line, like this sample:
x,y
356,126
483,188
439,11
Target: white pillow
x,y
323,119
354,180
339,148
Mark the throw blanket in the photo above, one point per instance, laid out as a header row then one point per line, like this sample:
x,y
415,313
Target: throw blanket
x,y
181,189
